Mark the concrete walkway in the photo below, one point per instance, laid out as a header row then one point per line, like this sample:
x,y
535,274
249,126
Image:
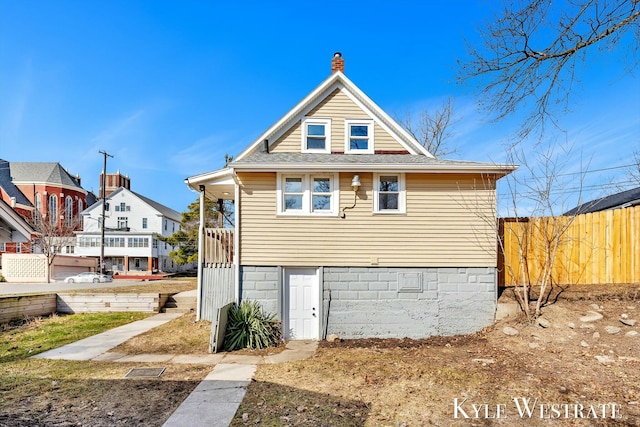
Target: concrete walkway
x,y
216,399
92,347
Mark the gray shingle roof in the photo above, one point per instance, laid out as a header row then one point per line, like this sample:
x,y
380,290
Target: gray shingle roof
x,y
42,172
7,185
164,210
351,159
629,197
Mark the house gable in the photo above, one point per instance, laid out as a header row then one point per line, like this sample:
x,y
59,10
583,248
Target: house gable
x,y
336,97
339,108
140,206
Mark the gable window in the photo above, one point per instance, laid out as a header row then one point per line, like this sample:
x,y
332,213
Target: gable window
x,y
123,207
144,223
389,194
316,135
308,194
359,136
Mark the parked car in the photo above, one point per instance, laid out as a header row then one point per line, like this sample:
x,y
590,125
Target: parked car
x,y
88,277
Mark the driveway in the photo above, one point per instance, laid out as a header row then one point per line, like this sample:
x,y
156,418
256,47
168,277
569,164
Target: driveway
x,y
30,288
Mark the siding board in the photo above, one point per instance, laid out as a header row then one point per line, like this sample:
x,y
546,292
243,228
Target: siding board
x,y
338,107
444,226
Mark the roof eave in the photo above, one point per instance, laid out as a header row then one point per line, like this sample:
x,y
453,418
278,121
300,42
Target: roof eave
x,y
502,169
195,181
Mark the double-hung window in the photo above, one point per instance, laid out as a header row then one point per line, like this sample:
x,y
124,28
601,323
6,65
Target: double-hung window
x,y
293,193
389,193
316,135
308,194
359,136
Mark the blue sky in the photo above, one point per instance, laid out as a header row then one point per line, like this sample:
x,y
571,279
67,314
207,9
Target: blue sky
x,y
169,87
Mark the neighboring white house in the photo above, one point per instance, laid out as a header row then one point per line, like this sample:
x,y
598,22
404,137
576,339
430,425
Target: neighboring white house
x,y
131,226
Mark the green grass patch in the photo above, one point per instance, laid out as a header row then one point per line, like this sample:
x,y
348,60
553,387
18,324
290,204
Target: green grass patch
x,y
20,340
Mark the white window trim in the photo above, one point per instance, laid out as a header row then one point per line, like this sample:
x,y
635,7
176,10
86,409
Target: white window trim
x,y
402,196
347,136
327,134
307,195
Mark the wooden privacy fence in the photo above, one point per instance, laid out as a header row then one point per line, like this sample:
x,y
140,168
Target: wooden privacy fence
x,y
594,248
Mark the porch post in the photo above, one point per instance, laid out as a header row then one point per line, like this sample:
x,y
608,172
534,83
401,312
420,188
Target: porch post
x,y
200,255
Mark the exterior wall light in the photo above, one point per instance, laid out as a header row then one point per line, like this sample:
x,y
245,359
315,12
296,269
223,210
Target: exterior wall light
x,y
355,185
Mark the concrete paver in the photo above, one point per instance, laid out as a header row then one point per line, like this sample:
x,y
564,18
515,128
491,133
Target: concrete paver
x,y
145,358
198,359
215,400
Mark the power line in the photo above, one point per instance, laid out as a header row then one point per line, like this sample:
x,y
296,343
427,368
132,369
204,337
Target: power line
x,y
571,190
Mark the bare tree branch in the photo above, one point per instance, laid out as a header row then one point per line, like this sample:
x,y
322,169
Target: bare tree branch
x,y
530,53
53,235
635,169
432,129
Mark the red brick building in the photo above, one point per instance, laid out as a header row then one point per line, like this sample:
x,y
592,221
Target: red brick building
x,y
44,191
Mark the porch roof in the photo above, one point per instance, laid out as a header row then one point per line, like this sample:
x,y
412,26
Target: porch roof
x,y
219,184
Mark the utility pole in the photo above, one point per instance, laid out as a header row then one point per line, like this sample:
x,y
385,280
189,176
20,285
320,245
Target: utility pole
x,y
103,196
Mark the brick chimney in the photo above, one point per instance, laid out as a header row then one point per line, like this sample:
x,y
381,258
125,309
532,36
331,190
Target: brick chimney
x,y
337,63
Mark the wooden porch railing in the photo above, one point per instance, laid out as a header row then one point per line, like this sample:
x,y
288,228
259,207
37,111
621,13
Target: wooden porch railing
x,y
218,247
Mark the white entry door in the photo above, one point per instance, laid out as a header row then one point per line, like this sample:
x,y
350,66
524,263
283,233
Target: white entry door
x,y
302,287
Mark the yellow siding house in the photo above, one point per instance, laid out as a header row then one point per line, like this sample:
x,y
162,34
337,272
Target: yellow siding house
x,y
346,225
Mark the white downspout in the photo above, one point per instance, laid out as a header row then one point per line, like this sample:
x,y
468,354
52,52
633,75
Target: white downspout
x,y
236,238
200,255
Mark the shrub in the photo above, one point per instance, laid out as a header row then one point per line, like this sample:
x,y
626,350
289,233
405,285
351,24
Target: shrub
x,y
249,327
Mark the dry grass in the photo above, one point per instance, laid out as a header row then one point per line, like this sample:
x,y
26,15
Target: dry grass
x,y
165,286
180,336
415,382
24,338
37,392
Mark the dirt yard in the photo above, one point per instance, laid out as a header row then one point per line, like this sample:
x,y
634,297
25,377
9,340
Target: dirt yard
x,y
581,367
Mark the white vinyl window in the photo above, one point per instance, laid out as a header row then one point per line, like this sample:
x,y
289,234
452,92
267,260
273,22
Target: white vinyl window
x,y
316,135
358,136
321,193
389,193
293,193
308,194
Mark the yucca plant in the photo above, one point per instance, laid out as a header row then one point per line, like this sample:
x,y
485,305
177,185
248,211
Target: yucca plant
x,y
250,327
